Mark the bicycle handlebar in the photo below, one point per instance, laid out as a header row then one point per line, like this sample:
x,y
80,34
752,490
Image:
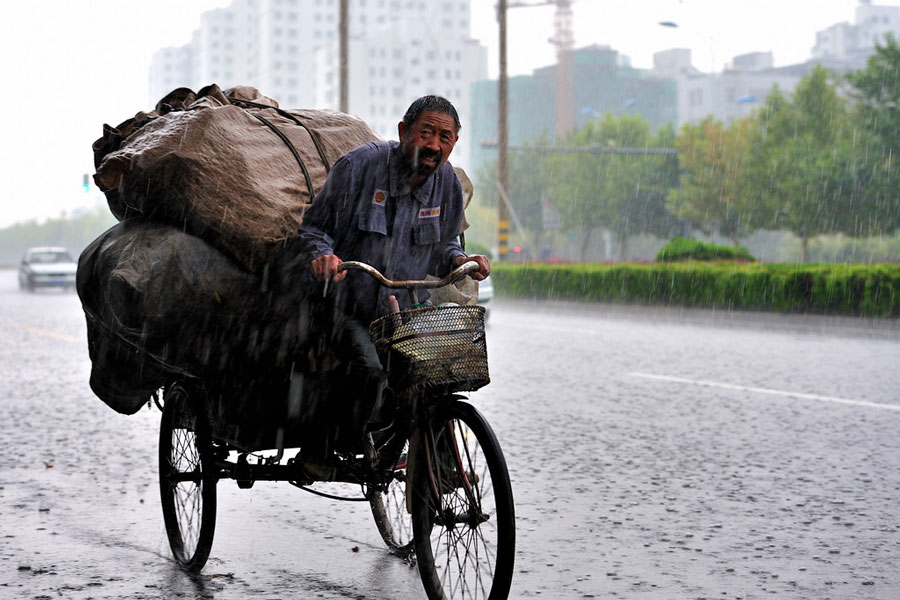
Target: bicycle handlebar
x,y
459,272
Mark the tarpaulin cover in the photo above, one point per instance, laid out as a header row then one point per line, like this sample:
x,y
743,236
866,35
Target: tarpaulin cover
x,y
161,303
229,167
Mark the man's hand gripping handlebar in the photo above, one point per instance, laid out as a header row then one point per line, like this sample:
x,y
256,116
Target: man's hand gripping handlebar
x,y
467,268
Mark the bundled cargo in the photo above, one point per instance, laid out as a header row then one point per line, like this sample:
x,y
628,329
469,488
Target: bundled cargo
x,y
209,188
229,167
160,303
198,280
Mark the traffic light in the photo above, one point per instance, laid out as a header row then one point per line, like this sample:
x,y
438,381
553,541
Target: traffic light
x,y
86,183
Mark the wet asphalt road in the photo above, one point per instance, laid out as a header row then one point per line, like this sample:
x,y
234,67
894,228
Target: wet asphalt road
x,y
654,454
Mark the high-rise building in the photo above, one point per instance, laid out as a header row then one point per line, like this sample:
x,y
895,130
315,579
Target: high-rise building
x,y
734,93
603,81
744,84
846,46
398,50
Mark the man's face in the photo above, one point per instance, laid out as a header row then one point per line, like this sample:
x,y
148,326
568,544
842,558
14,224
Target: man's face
x,y
427,144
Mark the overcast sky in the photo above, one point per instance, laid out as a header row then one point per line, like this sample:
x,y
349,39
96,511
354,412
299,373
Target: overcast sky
x,y
72,65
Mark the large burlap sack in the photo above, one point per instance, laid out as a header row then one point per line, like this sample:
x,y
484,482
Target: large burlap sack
x,y
231,168
162,304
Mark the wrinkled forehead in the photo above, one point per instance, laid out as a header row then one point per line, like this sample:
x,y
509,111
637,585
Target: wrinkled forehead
x,y
436,120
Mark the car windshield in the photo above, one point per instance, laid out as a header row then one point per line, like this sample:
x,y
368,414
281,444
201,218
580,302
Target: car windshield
x,y
49,257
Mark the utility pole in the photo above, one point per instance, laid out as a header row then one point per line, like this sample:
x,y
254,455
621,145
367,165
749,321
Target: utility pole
x,y
502,141
343,31
564,41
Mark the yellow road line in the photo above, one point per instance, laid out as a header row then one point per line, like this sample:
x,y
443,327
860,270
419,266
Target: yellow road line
x,y
54,335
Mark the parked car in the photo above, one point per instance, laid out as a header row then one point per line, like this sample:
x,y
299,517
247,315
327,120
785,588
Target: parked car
x,y
47,267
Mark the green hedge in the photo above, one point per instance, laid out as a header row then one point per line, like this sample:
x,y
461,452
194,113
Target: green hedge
x,y
682,248
864,290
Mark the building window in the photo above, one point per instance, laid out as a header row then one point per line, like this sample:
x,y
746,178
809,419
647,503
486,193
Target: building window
x,y
695,97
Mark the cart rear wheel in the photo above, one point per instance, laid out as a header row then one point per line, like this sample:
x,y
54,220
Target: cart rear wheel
x,y
390,510
187,479
462,507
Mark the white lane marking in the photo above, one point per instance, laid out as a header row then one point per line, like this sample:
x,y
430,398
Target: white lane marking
x,y
743,388
54,335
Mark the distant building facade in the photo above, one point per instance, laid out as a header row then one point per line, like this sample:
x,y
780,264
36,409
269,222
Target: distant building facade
x,y
743,86
846,47
398,51
603,81
726,96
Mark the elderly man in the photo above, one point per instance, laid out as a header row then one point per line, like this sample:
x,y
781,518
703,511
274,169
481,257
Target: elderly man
x,y
396,206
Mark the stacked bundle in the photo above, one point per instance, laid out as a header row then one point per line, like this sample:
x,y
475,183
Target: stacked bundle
x,y
209,189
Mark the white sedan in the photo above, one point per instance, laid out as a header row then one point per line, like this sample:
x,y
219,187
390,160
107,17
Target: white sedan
x,y
47,266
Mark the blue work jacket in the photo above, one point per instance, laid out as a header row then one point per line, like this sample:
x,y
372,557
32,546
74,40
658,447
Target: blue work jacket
x,y
349,218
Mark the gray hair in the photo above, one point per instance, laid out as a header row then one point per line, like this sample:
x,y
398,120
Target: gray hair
x,y
433,103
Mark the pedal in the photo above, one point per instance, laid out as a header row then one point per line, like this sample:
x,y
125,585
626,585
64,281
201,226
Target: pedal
x,y
243,473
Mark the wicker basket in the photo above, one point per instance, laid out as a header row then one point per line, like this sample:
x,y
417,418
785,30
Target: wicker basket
x,y
440,348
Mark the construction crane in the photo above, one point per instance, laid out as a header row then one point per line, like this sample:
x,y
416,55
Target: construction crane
x,y
564,41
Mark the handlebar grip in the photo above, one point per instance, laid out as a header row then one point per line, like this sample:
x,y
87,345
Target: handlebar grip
x,y
459,272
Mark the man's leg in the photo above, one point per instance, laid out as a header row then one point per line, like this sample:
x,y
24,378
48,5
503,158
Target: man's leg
x,y
363,380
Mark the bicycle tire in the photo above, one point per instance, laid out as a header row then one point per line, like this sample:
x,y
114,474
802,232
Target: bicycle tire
x,y
462,507
187,479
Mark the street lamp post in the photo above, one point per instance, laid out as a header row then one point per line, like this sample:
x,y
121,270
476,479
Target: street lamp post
x,y
502,139
343,33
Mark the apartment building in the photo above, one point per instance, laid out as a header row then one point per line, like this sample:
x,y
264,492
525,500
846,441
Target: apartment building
x,y
398,50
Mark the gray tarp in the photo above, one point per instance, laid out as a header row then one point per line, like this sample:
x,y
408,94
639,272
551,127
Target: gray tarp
x,y
231,168
162,303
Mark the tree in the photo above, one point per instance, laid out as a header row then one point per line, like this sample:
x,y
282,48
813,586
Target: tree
x,y
528,179
876,90
623,192
806,166
712,160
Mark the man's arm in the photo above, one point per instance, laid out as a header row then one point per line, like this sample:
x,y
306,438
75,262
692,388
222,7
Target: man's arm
x,y
320,223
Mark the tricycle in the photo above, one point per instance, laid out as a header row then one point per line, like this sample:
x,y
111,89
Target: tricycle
x,y
434,475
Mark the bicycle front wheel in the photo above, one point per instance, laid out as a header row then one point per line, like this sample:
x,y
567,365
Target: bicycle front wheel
x,y
187,479
462,507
